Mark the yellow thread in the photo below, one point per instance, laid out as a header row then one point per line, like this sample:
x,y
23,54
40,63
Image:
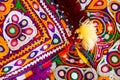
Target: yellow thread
x,y
84,59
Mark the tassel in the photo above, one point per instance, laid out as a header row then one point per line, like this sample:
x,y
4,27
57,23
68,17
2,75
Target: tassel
x,y
87,33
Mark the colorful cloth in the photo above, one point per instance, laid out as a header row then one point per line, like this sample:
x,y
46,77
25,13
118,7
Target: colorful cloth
x,y
34,41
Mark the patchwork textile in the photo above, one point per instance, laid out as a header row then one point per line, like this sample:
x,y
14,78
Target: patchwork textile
x,y
34,41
